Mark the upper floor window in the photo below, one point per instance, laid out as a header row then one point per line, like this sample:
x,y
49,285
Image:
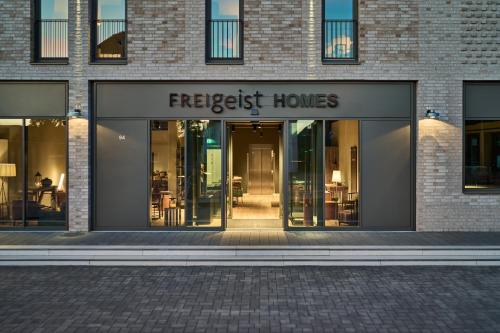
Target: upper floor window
x,y
109,30
340,31
224,31
51,30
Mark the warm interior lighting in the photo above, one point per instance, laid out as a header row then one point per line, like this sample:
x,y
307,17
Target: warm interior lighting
x,y
60,186
38,180
336,177
7,170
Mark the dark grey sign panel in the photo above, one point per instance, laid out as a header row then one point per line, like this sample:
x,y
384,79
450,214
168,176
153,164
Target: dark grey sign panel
x,y
386,175
33,99
482,100
122,174
215,100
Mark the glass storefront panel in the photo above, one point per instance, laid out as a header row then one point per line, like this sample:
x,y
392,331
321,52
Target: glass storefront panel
x,y
305,173
11,177
46,202
482,154
167,174
341,173
203,173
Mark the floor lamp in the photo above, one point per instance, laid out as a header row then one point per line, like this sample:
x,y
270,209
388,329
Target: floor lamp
x,y
6,170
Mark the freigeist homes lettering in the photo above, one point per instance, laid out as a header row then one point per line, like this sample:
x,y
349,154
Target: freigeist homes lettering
x,y
220,102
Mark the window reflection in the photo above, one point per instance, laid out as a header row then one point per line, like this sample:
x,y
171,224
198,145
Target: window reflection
x,y
167,173
225,29
52,27
339,30
46,172
110,29
341,173
111,9
11,190
482,154
339,9
305,149
225,9
203,173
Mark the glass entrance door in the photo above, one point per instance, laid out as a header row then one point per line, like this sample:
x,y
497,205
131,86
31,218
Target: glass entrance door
x,y
254,153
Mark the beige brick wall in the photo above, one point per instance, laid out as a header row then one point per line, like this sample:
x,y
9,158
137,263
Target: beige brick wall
x,y
276,23
157,32
389,31
438,43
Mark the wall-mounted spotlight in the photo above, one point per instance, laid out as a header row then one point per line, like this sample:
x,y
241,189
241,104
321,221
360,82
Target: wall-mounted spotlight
x,y
433,114
76,113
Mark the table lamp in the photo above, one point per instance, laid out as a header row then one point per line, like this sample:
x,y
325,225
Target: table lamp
x,y
337,181
336,177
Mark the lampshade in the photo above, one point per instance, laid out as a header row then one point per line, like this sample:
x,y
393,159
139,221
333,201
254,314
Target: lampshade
x,y
336,176
7,170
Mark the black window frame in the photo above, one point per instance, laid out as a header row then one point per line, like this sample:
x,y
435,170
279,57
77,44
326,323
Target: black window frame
x,y
465,118
341,61
465,189
208,45
94,60
36,57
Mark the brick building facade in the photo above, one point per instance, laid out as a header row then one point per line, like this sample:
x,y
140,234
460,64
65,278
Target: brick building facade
x,y
437,44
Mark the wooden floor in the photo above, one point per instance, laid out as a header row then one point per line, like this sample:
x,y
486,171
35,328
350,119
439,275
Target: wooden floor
x,y
251,238
255,207
255,224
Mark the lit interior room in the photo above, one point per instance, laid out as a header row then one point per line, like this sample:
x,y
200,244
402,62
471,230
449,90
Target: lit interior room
x,y
333,184
342,173
40,160
167,173
186,188
254,165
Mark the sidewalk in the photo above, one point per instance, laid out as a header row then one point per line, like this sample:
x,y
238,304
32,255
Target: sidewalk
x,y
253,238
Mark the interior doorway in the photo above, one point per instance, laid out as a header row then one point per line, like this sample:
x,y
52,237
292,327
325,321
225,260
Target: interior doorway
x,y
255,164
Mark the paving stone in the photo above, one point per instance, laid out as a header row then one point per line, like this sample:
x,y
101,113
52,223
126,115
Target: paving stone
x,y
246,299
271,238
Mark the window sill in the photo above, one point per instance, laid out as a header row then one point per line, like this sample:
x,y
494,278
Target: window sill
x,y
224,62
108,62
481,191
50,62
341,62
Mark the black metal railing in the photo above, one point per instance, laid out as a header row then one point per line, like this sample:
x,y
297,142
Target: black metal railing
x,y
52,39
225,39
340,39
110,39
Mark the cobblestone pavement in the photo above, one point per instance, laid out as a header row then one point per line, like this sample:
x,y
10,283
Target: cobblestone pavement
x,y
249,299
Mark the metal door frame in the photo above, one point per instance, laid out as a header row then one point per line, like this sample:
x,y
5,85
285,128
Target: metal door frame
x,y
225,153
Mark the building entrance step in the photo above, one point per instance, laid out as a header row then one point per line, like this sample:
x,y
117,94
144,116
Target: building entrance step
x,y
248,255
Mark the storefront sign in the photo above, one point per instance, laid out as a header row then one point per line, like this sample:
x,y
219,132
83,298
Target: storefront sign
x,y
217,103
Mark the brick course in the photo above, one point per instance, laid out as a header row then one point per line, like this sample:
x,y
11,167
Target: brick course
x,y
438,43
